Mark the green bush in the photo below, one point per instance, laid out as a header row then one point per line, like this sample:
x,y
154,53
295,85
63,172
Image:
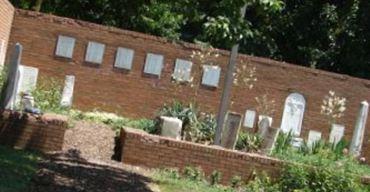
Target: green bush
x,y
248,142
48,94
197,126
215,177
193,173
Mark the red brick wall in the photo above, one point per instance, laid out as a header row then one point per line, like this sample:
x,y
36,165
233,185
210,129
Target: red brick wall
x,y
6,18
142,149
27,132
134,95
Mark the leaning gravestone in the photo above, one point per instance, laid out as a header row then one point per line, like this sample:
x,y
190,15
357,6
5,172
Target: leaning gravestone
x,y
269,140
263,127
231,130
67,94
13,77
171,127
358,135
336,133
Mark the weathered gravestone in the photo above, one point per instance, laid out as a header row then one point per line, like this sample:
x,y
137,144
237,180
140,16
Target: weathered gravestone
x,y
293,114
171,127
249,119
336,133
67,94
313,137
261,117
358,135
231,130
268,134
12,78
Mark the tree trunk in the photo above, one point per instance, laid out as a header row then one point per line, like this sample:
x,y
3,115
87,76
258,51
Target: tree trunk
x,y
37,5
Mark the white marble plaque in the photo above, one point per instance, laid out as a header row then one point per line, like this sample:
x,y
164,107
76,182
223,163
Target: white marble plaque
x,y
249,118
67,95
211,75
293,114
182,70
95,52
171,127
124,58
336,133
27,80
65,46
153,64
313,136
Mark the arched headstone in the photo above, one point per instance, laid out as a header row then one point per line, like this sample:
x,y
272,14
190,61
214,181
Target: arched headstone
x,y
293,114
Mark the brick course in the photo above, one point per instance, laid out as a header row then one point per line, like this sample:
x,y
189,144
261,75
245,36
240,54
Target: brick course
x,y
27,132
152,151
6,18
134,94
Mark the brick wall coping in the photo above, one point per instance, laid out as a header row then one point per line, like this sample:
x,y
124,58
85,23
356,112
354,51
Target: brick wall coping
x,y
210,149
184,45
48,118
7,2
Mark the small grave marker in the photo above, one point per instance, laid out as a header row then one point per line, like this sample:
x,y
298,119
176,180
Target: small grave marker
x,y
231,130
67,94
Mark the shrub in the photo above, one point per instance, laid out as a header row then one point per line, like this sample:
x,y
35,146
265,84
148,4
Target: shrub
x,y
283,142
48,94
197,126
262,183
248,142
215,177
236,181
193,173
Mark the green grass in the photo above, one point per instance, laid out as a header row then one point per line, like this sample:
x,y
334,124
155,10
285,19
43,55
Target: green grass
x,y
16,169
170,181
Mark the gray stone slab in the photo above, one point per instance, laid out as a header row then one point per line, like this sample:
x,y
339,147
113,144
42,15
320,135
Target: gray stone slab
x,y
231,130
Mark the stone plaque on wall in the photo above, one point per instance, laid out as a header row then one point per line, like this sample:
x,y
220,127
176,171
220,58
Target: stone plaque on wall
x,y
182,70
249,118
67,94
95,52
231,130
124,58
65,46
153,64
211,75
336,133
2,52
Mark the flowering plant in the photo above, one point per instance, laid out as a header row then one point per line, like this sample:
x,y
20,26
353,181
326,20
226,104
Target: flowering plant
x,y
333,106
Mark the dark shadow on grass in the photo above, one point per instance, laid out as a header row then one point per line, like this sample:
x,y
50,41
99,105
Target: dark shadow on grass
x,y
69,172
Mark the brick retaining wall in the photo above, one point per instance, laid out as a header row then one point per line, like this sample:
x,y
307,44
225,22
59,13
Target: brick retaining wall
x,y
27,132
152,151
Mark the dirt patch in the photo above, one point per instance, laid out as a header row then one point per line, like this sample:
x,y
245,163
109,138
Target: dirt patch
x,y
68,172
92,140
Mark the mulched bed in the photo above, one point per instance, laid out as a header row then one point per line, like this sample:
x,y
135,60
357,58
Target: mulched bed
x,y
85,165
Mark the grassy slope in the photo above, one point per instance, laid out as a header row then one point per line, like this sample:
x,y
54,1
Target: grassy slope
x,y
16,169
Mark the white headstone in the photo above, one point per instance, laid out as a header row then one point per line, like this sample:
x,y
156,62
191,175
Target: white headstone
x,y
124,58
171,127
336,133
297,142
250,118
182,70
293,114
95,52
27,81
65,46
67,94
211,75
359,131
153,64
313,136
